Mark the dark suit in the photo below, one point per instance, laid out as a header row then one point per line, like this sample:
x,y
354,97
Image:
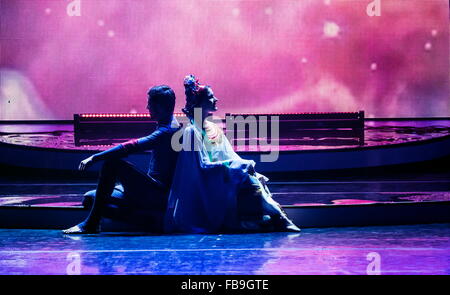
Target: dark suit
x,y
140,198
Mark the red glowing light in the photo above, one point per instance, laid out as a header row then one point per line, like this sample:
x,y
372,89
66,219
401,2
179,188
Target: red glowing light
x,y
122,115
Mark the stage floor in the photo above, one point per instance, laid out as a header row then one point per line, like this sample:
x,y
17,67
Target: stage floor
x,y
402,249
411,249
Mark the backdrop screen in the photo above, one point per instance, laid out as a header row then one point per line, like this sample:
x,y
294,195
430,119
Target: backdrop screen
x,y
387,57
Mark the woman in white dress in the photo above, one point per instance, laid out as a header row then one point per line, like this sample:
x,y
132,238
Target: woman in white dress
x,y
214,190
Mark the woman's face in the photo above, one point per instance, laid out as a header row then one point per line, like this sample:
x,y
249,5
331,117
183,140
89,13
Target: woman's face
x,y
209,103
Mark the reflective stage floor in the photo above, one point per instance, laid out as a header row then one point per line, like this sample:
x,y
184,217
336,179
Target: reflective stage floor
x,y
386,250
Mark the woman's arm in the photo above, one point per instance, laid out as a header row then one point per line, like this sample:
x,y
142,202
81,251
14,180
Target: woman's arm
x,y
228,157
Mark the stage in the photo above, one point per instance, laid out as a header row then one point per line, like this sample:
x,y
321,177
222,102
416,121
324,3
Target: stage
x,y
343,105
399,250
307,180
382,142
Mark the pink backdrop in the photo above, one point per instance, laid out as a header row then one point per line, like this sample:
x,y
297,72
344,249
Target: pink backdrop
x,y
259,56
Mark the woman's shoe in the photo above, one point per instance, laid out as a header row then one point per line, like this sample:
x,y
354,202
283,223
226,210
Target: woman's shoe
x,y
282,223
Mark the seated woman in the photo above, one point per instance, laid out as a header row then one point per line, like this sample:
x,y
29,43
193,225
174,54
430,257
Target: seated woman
x,y
213,189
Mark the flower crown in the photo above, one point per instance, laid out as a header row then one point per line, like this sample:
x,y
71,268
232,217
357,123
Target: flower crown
x,y
191,84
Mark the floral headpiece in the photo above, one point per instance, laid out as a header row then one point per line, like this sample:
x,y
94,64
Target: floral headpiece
x,y
191,84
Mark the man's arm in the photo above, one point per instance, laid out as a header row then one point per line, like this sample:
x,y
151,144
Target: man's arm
x,y
130,147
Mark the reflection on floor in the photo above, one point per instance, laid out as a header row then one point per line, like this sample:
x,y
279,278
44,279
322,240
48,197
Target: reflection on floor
x,y
413,249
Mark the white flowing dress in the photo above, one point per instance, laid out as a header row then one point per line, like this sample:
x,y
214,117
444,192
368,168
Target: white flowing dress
x,y
215,190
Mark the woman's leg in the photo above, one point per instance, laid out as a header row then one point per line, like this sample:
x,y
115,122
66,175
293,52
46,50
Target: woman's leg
x,y
259,211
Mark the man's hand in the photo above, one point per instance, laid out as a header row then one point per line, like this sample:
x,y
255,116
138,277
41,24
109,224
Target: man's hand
x,y
86,163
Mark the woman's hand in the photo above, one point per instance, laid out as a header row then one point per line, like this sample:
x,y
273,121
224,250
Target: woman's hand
x,y
251,169
86,163
249,166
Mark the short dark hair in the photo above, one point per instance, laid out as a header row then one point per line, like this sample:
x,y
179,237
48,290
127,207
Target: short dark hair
x,y
163,96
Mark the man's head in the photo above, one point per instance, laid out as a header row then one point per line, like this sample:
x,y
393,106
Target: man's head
x,y
161,103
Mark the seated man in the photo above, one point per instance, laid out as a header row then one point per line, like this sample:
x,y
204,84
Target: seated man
x,y
141,192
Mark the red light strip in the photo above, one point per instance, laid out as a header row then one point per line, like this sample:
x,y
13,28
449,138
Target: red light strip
x,y
182,115
294,113
122,115
96,146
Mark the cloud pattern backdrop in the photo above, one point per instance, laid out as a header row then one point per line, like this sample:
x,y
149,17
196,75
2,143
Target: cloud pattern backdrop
x,y
259,56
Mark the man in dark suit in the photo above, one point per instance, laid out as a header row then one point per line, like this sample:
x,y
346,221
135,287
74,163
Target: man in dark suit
x,y
138,191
